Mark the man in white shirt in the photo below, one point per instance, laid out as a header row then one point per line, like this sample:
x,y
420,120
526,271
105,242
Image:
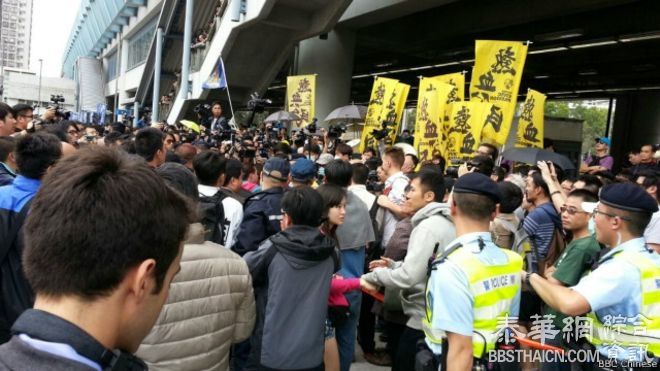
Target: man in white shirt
x,y
393,197
359,185
210,170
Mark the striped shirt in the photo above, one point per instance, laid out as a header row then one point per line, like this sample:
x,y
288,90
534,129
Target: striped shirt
x,y
540,225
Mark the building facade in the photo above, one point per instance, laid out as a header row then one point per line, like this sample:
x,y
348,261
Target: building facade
x,y
23,86
15,33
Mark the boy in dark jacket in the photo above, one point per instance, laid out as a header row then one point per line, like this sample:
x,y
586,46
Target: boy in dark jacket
x,y
291,272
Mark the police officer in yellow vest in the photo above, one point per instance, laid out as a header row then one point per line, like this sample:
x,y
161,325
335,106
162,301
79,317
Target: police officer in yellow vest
x,y
622,295
475,285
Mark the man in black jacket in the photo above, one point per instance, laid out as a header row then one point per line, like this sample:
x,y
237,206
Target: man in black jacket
x,y
34,155
99,264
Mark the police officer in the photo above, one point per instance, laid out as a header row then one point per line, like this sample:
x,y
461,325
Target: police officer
x,y
621,295
262,212
474,285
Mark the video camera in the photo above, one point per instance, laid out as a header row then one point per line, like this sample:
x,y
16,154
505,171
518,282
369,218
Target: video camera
x,y
56,99
203,110
381,133
335,131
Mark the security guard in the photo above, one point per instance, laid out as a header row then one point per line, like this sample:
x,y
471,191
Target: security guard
x,y
262,212
475,285
622,295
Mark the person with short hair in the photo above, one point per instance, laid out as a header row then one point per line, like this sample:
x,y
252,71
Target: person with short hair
x,y
622,285
576,260
7,120
8,165
291,272
35,154
24,113
96,299
433,229
233,184
600,160
368,154
506,223
210,168
394,192
651,183
211,298
473,283
186,152
343,152
150,145
589,182
646,161
489,150
217,122
409,164
359,185
262,212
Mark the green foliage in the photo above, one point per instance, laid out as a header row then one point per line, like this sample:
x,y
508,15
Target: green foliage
x,y
595,118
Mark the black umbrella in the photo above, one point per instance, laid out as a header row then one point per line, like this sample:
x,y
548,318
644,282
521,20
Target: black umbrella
x,y
533,155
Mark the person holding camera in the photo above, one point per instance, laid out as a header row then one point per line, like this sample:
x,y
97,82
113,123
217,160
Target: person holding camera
x,y
217,122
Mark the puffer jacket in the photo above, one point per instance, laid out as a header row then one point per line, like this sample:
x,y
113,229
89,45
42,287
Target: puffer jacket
x,y
210,306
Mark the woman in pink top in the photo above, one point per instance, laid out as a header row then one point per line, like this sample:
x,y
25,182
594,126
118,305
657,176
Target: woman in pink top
x,y
334,200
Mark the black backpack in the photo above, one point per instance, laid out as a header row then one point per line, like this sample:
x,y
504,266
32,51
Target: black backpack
x,y
213,217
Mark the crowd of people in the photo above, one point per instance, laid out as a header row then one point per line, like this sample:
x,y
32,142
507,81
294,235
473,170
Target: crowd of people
x,y
221,248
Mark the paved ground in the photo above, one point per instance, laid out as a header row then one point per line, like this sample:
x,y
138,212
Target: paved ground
x,y
361,365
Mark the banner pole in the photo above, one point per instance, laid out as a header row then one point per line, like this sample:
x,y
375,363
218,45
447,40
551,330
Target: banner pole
x,y
224,72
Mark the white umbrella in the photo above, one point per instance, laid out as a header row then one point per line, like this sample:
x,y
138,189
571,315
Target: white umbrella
x,y
407,148
347,113
284,116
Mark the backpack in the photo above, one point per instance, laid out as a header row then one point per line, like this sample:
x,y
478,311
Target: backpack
x,y
213,217
523,245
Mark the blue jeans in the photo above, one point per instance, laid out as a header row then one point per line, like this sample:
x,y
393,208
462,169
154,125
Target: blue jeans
x,y
345,334
352,262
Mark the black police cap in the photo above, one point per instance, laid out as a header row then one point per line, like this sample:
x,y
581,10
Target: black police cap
x,y
629,197
477,183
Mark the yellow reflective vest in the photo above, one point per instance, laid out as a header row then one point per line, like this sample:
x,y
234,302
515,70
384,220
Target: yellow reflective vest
x,y
645,332
493,287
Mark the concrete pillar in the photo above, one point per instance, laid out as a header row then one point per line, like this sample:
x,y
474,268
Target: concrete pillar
x,y
332,60
185,60
155,97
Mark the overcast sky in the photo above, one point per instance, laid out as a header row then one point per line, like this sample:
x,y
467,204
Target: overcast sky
x,y
51,24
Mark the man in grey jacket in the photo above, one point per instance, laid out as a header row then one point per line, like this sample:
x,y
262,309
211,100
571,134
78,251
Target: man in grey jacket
x,y
432,230
291,272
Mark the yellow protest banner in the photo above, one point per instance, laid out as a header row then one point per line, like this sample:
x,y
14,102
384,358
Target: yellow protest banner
x,y
495,79
457,80
530,124
381,91
431,104
466,124
394,110
300,96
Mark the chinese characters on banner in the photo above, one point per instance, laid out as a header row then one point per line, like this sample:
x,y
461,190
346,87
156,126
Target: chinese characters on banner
x,y
381,94
496,79
300,96
394,110
457,80
530,124
466,123
431,104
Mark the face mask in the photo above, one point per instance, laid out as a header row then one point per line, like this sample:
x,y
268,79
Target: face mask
x,y
314,158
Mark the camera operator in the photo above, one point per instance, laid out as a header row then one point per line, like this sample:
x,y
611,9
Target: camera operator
x,y
217,121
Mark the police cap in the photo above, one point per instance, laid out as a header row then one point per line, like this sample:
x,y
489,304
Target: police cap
x,y
629,197
477,183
